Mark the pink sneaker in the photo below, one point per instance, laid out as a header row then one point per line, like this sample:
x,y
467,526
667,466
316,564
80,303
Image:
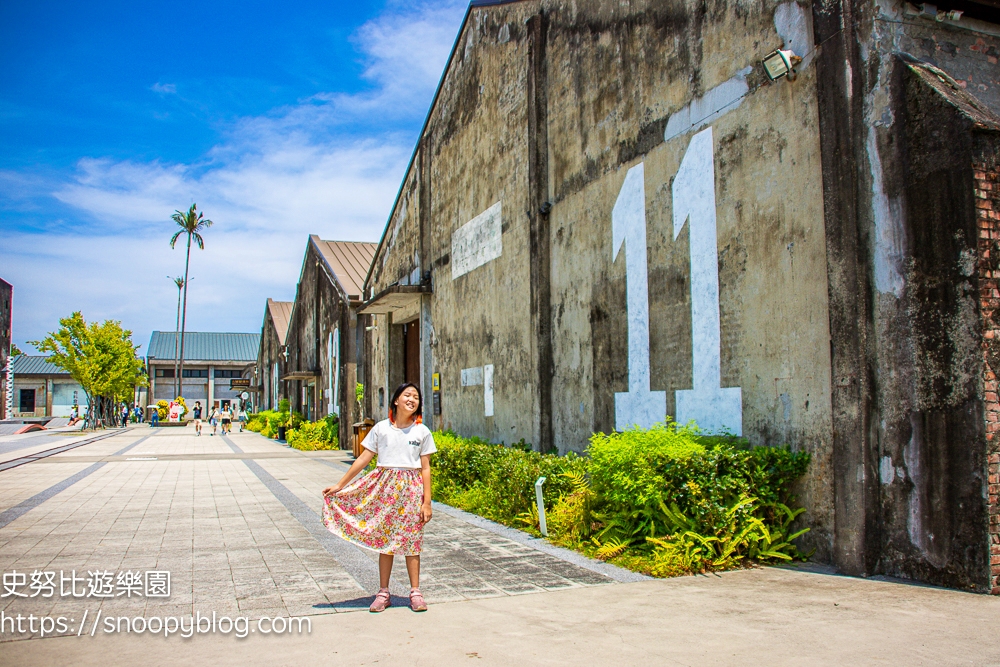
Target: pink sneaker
x,y
381,601
417,600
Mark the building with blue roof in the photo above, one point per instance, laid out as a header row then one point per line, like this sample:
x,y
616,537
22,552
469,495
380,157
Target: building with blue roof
x,y
218,367
42,389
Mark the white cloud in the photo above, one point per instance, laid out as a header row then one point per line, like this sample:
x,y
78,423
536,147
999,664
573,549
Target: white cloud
x,y
407,53
165,88
273,180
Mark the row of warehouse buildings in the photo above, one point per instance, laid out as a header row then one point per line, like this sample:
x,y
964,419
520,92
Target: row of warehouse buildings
x,y
613,215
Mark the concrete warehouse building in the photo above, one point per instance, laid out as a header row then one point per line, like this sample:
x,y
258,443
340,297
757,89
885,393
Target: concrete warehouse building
x,y
613,216
272,354
321,355
218,367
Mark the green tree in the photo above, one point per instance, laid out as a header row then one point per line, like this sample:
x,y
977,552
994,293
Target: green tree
x,y
14,350
193,224
101,357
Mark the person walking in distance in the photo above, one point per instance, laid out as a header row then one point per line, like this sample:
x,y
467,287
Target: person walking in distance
x,y
227,420
387,509
243,417
215,419
196,414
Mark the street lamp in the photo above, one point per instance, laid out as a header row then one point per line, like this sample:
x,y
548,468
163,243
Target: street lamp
x,y
780,63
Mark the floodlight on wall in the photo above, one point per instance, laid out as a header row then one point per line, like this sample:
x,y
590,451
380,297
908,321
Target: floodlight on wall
x,y
780,63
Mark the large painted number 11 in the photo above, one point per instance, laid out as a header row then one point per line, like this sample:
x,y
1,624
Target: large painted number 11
x,y
713,407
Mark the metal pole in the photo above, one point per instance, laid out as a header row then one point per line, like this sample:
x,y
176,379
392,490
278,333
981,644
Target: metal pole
x,y
541,507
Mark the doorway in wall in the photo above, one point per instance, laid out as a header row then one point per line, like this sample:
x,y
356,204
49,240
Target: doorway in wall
x,y
411,352
27,402
308,401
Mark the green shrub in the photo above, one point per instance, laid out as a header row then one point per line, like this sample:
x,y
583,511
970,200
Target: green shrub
x,y
495,481
267,422
635,472
664,501
310,436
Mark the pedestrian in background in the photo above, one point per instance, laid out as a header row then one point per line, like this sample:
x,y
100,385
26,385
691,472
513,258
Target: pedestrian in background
x,y
387,509
154,420
197,417
243,417
215,419
227,420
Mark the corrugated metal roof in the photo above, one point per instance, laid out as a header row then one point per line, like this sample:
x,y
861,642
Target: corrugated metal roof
x,y
281,315
203,346
36,364
349,261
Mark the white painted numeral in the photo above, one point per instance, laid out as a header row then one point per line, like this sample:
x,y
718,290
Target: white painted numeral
x,y
714,408
638,406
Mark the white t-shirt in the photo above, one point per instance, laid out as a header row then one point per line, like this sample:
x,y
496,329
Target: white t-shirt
x,y
399,447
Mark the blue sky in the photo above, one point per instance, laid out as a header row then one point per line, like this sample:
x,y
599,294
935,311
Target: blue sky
x,y
278,121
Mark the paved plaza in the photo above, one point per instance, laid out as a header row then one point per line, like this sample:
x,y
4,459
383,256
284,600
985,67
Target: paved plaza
x,y
236,522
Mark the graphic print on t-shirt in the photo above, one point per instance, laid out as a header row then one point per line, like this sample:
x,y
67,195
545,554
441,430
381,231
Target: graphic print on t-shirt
x,y
399,447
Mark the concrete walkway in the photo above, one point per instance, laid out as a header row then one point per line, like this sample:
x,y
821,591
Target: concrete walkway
x,y
236,522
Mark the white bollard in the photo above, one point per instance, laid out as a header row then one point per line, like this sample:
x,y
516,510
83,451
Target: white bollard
x,y
541,506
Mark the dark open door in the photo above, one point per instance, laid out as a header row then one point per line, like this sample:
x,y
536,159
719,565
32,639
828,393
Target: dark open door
x,y
27,402
411,352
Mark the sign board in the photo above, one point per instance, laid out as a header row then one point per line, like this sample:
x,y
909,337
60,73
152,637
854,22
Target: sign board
x,y
239,383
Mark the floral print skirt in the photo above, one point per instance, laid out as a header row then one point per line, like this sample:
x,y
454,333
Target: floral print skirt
x,y
380,511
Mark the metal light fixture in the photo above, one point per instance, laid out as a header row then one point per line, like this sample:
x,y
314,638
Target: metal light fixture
x,y
780,63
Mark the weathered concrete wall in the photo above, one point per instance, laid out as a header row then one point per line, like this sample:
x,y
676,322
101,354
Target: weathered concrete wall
x,y
909,464
548,106
270,364
399,262
931,453
677,237
768,201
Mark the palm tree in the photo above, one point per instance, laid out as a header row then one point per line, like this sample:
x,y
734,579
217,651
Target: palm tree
x,y
177,333
191,223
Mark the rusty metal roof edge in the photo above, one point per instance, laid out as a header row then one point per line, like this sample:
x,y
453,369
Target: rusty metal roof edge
x,y
269,311
315,240
341,250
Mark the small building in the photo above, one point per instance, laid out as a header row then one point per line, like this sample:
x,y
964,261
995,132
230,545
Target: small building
x,y
271,356
6,303
620,213
218,367
42,389
324,362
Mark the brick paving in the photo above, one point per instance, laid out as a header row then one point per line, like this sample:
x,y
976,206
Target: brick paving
x,y
236,522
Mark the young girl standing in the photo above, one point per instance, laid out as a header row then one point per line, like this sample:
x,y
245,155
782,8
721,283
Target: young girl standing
x,y
386,510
